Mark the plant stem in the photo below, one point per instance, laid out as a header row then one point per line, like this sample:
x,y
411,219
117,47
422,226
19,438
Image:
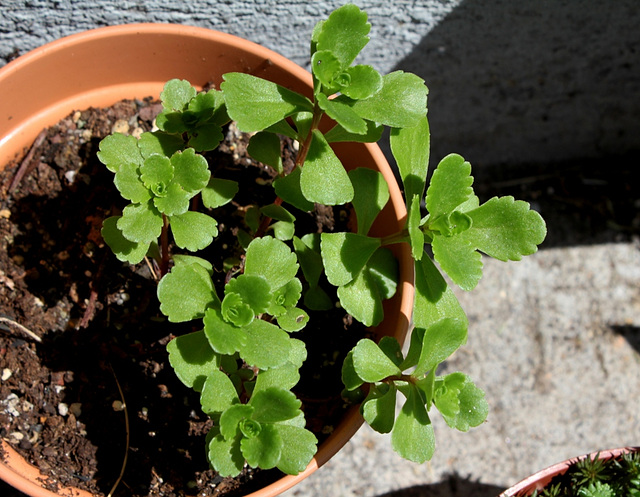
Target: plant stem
x,y
164,246
399,237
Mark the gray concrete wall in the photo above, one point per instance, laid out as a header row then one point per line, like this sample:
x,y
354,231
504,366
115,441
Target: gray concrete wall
x,y
512,82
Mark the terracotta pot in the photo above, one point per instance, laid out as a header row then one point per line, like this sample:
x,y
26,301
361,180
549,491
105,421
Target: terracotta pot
x,y
100,67
541,479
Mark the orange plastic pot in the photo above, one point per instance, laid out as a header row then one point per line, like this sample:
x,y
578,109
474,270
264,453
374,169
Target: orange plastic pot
x,y
100,67
541,479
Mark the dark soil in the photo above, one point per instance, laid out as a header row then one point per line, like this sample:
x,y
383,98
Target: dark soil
x,y
100,327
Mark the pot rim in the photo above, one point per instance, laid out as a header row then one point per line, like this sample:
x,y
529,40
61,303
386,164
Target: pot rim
x,y
24,132
539,480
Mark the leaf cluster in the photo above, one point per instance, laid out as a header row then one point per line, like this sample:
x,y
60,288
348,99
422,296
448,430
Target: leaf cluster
x,y
593,476
243,359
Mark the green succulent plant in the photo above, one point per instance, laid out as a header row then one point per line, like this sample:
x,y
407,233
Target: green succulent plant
x,y
244,361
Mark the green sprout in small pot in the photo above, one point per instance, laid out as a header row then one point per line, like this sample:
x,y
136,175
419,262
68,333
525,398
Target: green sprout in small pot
x,y
244,361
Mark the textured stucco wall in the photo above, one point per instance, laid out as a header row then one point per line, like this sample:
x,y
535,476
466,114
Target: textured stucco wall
x,y
515,82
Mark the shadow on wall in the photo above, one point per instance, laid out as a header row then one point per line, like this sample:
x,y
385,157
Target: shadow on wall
x,y
454,486
550,89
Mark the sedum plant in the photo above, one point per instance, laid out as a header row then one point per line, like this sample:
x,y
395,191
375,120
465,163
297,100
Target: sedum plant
x,y
244,361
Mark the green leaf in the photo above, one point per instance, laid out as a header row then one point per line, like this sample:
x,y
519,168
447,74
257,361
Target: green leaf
x,y
299,448
345,254
326,67
309,257
471,407
265,147
506,229
267,345
219,192
224,337
412,436
256,104
339,134
383,268
362,297
416,235
264,449
324,179
288,189
273,260
177,94
402,101
285,297
273,405
235,311
450,186
293,319
371,194
231,419
410,148
278,213
286,376
118,149
193,230
458,258
156,173
191,170
371,363
192,359
158,142
343,115
140,223
185,259
392,349
316,299
129,184
218,393
254,291
350,377
441,340
225,456
365,82
344,34
434,300
125,250
205,137
379,407
174,201
186,293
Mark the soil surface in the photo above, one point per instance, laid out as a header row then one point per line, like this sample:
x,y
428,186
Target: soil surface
x,y
82,342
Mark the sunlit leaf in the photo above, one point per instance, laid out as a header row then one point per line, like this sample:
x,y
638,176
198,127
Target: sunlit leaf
x,y
186,293
412,436
125,250
193,230
410,148
371,194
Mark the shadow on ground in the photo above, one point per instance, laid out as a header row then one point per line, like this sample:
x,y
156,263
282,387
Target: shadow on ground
x,y
542,98
454,486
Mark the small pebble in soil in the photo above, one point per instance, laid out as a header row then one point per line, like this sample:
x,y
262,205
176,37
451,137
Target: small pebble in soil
x,y
117,405
63,409
6,374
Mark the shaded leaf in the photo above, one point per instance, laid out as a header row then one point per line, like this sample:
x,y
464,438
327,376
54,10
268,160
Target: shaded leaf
x,y
288,189
345,254
458,258
192,359
379,407
129,184
339,134
225,456
274,404
343,115
158,142
371,194
265,147
125,250
412,436
410,148
299,448
264,449
218,192
365,82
